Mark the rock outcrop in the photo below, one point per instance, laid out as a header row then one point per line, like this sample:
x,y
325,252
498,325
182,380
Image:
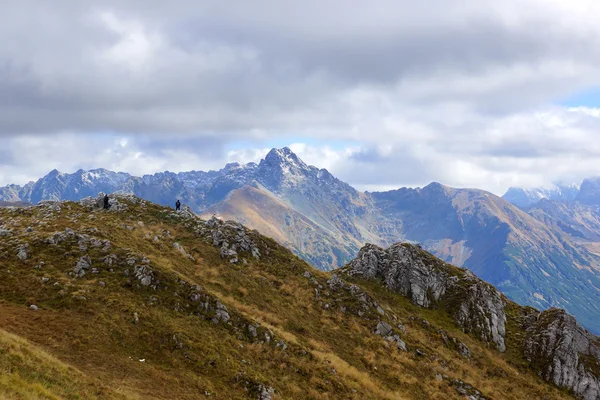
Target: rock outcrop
x,y
563,352
406,269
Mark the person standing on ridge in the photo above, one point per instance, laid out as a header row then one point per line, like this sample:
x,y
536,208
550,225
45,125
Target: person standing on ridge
x,y
106,205
177,205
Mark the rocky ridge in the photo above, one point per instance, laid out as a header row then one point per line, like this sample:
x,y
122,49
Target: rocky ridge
x,y
406,269
557,347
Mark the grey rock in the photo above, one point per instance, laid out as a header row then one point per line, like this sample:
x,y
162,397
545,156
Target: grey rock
x,y
221,313
82,266
144,274
335,283
399,342
180,249
265,392
383,329
475,305
23,252
110,260
252,330
33,307
564,353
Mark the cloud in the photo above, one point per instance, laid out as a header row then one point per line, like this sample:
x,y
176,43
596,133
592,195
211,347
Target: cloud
x,y
454,91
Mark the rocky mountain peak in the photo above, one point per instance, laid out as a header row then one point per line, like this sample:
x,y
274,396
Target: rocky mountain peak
x,y
282,168
53,174
284,156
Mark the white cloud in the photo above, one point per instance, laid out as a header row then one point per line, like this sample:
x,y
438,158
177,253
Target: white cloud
x,y
462,95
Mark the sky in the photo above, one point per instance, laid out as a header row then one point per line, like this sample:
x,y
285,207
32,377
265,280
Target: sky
x,y
384,94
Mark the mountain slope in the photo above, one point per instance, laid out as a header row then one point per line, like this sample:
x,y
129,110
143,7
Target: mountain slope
x,y
524,258
259,209
326,222
162,305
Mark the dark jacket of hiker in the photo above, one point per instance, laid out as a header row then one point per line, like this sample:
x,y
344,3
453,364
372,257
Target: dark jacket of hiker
x,y
177,205
106,205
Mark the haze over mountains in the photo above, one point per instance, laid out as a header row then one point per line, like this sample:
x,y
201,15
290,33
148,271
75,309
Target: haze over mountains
x,y
543,257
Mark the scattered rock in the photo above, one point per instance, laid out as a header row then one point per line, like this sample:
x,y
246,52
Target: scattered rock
x,y
82,266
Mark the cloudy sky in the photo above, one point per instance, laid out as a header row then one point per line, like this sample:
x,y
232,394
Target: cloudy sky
x,y
385,93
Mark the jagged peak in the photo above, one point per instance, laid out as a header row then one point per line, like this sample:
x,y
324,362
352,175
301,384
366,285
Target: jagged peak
x,y
54,173
284,156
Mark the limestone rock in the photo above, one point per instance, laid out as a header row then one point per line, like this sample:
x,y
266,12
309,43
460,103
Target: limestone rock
x,y
82,266
145,275
410,271
383,329
563,352
265,392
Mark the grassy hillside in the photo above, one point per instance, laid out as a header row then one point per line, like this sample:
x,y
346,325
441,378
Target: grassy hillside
x,y
140,303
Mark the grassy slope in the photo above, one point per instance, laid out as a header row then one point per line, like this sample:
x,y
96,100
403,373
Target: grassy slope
x,y
86,333
259,209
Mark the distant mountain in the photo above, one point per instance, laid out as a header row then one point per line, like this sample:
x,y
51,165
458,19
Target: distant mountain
x,y
326,221
524,198
590,192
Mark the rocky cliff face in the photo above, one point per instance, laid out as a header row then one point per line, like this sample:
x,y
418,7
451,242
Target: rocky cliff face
x,y
406,269
563,352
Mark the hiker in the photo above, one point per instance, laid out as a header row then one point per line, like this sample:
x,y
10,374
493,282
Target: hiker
x,y
106,205
177,205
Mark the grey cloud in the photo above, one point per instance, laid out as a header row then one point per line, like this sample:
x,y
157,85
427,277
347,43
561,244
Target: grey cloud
x,y
264,65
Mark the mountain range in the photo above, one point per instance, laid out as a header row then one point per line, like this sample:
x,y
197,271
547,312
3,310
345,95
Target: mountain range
x,y
539,256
